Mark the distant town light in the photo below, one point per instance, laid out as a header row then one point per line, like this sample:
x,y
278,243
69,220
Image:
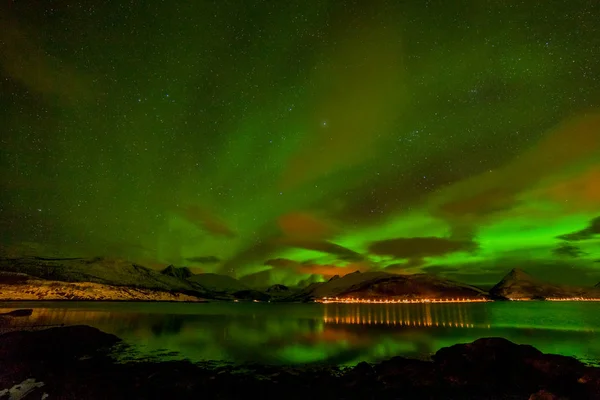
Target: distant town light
x,y
397,301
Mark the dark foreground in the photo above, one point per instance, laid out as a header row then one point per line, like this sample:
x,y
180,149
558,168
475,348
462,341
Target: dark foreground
x,y
75,363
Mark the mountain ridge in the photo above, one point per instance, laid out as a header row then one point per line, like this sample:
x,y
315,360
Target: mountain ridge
x,y
117,276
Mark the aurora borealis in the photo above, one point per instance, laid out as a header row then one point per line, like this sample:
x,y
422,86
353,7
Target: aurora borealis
x,y
289,142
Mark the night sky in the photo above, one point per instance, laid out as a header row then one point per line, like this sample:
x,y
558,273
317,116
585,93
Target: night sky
x,y
290,141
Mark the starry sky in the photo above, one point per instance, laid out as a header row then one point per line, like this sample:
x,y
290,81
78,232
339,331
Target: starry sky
x,y
291,141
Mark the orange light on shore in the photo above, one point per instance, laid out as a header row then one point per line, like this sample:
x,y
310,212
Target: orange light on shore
x,y
572,299
351,300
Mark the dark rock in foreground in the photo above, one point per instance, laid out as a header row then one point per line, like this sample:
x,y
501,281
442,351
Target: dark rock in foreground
x,y
72,363
24,312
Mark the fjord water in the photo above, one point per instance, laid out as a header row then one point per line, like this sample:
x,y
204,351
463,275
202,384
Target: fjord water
x,y
278,333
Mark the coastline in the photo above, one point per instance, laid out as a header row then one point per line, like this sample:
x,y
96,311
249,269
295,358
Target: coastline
x,y
79,365
48,290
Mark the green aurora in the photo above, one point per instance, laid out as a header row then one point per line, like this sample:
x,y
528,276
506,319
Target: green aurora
x,y
286,142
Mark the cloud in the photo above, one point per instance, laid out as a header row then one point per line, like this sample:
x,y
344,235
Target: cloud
x,y
257,279
253,253
308,281
587,233
580,192
308,267
408,266
207,221
306,225
439,269
570,144
327,271
573,271
204,259
321,245
568,250
282,263
419,247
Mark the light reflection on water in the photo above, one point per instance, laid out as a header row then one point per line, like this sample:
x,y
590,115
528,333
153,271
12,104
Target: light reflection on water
x,y
329,333
457,315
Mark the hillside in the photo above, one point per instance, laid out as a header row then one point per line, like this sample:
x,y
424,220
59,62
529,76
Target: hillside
x,y
179,273
15,286
518,285
380,285
218,283
111,272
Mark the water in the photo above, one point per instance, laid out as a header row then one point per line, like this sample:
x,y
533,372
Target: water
x,y
325,333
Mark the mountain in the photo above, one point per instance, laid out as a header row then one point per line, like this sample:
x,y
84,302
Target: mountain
x,y
218,283
279,292
20,287
519,285
276,289
382,285
114,273
179,273
98,270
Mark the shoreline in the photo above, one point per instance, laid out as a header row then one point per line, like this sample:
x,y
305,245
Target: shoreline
x,y
79,365
366,302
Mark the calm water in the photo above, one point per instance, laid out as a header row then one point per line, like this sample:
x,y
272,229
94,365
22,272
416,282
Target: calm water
x,y
329,333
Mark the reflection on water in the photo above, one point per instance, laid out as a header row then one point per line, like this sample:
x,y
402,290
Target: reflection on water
x,y
459,315
326,333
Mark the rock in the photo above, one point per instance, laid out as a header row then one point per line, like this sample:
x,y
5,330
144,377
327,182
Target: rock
x,y
72,363
363,368
401,372
590,382
22,389
543,395
487,363
18,313
55,343
50,354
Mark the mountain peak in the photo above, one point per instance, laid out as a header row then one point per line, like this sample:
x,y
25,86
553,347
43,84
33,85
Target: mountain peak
x,y
518,273
181,273
518,284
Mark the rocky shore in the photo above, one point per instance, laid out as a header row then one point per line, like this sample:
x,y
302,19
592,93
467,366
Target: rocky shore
x,y
75,363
